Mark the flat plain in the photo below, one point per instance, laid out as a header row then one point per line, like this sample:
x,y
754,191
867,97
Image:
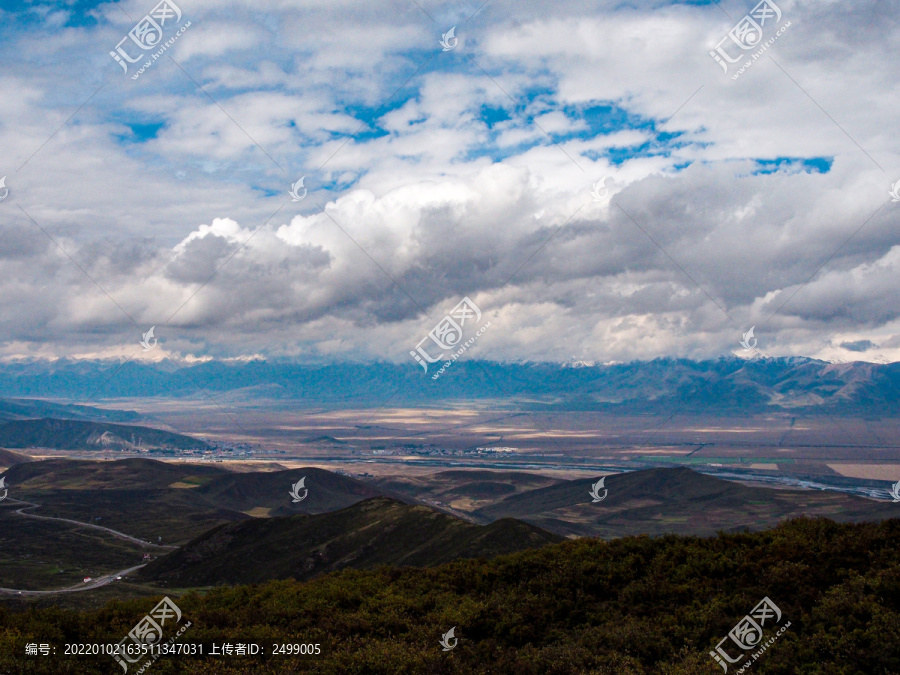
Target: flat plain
x,y
510,435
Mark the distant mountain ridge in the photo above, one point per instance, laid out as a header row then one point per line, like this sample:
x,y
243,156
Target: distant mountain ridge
x,y
65,434
17,409
724,384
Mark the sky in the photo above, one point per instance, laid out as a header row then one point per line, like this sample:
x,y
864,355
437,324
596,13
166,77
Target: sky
x,y
587,174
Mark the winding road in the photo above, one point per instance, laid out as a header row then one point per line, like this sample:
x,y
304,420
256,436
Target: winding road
x,y
115,533
94,583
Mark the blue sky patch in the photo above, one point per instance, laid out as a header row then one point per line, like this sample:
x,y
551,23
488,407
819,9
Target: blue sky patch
x,y
794,165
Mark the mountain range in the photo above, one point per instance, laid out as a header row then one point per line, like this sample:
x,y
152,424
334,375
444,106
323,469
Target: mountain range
x,y
727,384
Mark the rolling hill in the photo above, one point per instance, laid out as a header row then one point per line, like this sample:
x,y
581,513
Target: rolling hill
x,y
676,500
268,493
142,497
22,408
64,434
177,501
374,532
180,501
85,474
463,490
38,554
8,458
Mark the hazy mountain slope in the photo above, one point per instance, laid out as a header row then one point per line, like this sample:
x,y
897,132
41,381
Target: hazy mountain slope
x,y
373,532
678,500
35,408
60,434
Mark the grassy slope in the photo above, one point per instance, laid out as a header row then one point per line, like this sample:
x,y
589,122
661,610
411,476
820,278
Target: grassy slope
x,y
131,495
8,458
271,490
466,490
56,474
40,555
371,533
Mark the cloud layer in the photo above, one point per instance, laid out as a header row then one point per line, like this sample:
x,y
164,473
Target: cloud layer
x,y
434,175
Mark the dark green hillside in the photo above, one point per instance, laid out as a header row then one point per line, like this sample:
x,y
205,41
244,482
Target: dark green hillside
x,y
64,434
371,533
632,606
